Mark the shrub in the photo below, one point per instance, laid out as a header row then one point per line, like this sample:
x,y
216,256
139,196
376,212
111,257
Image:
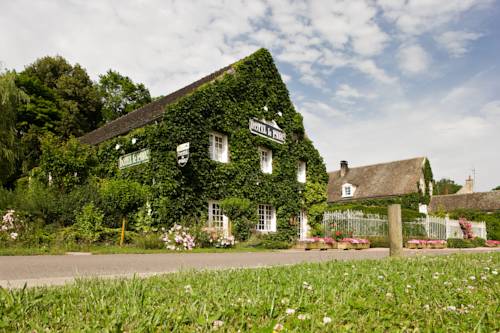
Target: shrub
x,y
460,243
178,238
149,241
89,223
112,236
378,241
242,215
270,241
478,242
121,197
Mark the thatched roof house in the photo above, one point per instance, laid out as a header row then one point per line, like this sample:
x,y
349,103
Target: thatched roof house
x,y
375,181
485,201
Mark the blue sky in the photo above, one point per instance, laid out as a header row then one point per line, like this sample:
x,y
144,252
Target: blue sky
x,y
375,80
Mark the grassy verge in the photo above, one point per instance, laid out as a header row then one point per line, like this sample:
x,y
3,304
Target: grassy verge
x,y
457,293
112,249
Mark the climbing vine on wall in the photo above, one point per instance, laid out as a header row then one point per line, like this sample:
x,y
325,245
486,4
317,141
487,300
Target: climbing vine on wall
x,y
253,89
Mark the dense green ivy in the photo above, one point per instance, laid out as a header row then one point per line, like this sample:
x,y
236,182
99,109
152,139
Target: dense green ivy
x,y
224,105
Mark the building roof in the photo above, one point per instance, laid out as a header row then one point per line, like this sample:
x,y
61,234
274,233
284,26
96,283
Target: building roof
x,y
378,180
487,201
146,114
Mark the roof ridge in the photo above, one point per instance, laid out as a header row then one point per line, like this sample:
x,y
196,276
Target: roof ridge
x,y
382,163
109,130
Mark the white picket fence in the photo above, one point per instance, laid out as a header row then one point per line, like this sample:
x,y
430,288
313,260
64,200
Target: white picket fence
x,y
365,225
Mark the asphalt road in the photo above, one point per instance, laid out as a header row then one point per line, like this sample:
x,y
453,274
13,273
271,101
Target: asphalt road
x,y
15,271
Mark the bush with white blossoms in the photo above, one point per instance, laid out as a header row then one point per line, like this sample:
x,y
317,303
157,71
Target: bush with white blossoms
x,y
178,238
8,225
224,242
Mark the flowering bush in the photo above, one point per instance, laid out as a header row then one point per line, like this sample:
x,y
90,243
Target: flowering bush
x,y
216,238
9,225
492,243
355,240
425,242
178,238
326,240
466,227
339,235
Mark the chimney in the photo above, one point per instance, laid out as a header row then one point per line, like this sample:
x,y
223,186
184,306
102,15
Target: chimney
x,y
468,187
344,168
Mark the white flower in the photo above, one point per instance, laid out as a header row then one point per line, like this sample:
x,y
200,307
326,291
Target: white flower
x,y
408,286
13,235
470,287
302,316
285,301
345,274
188,288
426,307
218,323
451,308
278,327
381,277
290,311
472,277
388,295
327,320
307,286
494,272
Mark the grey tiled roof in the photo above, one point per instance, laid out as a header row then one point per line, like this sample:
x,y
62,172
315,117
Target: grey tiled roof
x,y
146,114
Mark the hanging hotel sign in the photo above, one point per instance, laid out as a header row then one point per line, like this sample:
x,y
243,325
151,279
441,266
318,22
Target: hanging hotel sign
x,y
266,130
183,154
135,158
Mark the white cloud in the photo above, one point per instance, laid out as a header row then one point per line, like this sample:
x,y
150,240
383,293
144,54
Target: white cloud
x,y
413,59
456,42
415,17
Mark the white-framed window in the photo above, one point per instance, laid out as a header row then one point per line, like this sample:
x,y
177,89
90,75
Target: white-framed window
x,y
216,217
348,190
301,172
218,147
267,218
266,160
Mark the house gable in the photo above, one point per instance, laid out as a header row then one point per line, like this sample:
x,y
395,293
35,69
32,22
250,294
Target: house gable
x,y
382,180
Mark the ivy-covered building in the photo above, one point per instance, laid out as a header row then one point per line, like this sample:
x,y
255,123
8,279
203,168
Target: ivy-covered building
x,y
408,182
228,150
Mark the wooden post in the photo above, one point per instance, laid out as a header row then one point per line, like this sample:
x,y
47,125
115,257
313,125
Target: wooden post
x,y
124,221
395,230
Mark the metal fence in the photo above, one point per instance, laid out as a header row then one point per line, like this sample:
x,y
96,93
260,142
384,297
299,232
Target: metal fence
x,y
365,225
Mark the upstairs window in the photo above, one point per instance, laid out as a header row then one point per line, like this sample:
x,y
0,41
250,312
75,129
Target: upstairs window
x,y
266,160
267,218
218,147
301,172
348,190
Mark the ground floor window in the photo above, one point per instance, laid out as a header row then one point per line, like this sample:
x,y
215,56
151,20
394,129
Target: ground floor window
x,y
267,218
216,218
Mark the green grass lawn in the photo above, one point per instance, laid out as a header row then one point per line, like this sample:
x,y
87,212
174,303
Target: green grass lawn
x,y
113,249
457,293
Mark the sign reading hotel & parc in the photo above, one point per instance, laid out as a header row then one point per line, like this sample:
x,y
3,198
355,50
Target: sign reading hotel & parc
x,y
268,131
137,157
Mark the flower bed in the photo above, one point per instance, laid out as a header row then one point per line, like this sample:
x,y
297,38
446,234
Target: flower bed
x,y
353,243
426,244
492,243
317,243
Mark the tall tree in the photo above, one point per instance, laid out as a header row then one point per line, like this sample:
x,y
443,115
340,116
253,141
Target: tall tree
x,y
10,98
120,95
63,101
446,186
